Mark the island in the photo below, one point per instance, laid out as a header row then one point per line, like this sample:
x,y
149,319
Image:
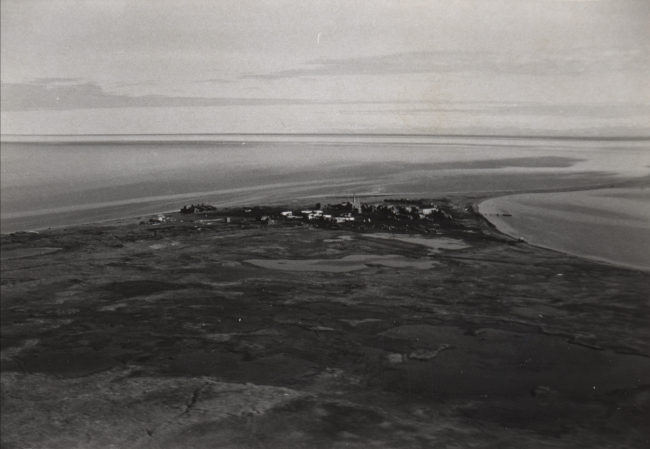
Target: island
x,y
388,323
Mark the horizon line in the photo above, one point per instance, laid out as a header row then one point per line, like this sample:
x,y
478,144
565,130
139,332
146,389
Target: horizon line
x,y
3,137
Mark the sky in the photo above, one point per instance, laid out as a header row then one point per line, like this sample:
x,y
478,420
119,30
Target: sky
x,y
434,67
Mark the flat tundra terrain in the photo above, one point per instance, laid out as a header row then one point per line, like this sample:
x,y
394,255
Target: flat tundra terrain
x,y
198,332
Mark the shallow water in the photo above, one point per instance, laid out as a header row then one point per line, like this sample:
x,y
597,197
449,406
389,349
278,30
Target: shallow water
x,y
436,244
345,264
611,225
46,184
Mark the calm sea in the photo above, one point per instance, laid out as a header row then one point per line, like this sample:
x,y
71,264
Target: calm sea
x,y
64,181
611,225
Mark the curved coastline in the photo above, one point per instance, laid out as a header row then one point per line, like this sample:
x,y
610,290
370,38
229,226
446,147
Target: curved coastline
x,y
552,229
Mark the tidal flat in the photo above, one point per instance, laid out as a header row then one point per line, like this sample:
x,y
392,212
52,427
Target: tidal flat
x,y
137,334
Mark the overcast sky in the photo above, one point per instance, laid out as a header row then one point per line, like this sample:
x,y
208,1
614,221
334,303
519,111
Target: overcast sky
x,y
542,67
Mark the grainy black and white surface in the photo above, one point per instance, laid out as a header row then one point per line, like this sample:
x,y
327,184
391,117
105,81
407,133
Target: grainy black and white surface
x,y
194,332
172,336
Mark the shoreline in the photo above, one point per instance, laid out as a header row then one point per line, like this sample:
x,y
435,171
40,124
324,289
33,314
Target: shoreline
x,y
88,223
511,234
475,199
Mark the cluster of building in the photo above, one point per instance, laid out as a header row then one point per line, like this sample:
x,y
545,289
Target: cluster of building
x,y
192,209
158,219
343,212
317,214
348,211
406,212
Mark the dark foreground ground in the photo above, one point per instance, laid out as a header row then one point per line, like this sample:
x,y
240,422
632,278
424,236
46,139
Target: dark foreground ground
x,y
167,336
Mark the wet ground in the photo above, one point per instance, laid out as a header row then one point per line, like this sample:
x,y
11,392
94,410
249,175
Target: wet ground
x,y
176,335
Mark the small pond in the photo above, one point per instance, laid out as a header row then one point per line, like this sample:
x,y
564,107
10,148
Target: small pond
x,y
345,264
437,243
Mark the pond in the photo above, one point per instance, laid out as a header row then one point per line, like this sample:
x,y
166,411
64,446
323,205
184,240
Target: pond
x,y
437,243
345,264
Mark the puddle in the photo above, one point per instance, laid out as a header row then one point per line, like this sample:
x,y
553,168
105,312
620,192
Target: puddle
x,y
345,264
339,239
436,244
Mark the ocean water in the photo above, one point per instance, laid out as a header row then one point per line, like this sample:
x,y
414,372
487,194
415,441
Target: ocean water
x,y
63,181
611,225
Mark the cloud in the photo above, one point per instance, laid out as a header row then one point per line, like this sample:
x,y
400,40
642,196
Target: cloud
x,y
72,93
543,63
58,81
613,111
